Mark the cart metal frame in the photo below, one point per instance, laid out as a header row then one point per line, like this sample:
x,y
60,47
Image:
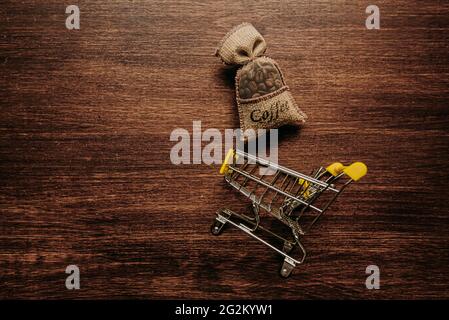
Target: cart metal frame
x,y
291,197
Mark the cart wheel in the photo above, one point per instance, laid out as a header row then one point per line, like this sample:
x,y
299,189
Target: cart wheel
x,y
216,228
286,269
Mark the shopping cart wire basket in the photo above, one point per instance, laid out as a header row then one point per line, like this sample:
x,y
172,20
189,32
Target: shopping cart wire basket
x,y
295,199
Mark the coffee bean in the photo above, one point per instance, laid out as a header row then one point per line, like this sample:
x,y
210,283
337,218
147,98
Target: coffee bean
x,y
265,73
252,86
250,75
259,76
278,83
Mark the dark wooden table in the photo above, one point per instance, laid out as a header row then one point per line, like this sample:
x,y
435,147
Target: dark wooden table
x,y
85,171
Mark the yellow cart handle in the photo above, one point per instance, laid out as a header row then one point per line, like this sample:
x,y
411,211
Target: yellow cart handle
x,y
228,159
354,171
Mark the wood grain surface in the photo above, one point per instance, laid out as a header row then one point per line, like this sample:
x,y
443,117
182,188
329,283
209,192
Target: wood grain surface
x,y
85,171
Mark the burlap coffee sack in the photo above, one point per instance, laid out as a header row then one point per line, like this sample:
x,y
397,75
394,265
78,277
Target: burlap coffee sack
x,y
263,99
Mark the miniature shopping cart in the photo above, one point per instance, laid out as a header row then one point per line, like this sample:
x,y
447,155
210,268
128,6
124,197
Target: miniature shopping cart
x,y
295,199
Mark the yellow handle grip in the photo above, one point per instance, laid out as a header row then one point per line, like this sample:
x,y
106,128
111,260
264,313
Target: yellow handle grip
x,y
355,171
228,159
